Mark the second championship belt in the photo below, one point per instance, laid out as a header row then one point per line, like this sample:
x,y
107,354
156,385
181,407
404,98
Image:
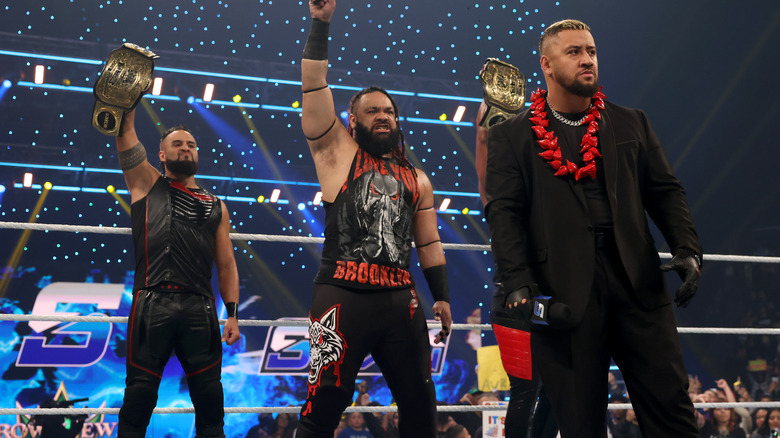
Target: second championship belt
x,y
126,76
503,86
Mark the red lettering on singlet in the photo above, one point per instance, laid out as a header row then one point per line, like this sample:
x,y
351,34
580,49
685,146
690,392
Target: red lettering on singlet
x,y
406,278
351,271
371,273
362,276
392,278
340,270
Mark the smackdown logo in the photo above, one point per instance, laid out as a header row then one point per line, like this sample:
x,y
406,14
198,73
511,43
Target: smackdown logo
x,y
286,352
69,344
539,310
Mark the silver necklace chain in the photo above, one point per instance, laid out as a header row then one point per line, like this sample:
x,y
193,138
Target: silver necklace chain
x,y
566,121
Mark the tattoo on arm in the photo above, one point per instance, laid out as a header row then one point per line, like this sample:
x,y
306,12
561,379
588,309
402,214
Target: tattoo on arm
x,y
426,244
132,157
323,134
316,89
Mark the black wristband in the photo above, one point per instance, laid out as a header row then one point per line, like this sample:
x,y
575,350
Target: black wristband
x,y
316,47
436,276
232,309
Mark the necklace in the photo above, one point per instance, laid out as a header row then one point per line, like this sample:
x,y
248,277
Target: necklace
x,y
549,142
566,121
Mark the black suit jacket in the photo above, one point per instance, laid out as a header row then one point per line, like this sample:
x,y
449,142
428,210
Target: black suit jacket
x,y
539,223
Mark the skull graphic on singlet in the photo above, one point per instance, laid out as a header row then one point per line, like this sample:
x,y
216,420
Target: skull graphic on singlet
x,y
381,217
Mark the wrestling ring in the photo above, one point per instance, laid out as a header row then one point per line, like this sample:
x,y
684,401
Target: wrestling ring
x,y
270,323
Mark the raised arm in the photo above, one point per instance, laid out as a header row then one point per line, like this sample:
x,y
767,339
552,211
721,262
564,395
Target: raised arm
x,y
227,275
139,174
331,146
431,255
481,152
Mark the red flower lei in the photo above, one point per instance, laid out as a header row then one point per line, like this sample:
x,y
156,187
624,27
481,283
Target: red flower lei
x,y
549,142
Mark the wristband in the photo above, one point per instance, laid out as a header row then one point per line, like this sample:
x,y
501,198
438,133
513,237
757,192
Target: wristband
x,y
232,309
436,276
316,47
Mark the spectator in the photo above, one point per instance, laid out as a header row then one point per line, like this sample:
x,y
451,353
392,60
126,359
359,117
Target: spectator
x,y
356,427
443,422
341,426
284,426
457,431
392,426
615,390
759,419
722,423
260,430
373,420
470,420
742,393
621,424
744,420
771,424
759,378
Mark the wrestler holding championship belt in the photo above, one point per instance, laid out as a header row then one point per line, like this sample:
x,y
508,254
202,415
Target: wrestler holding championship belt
x,y
503,86
126,76
504,96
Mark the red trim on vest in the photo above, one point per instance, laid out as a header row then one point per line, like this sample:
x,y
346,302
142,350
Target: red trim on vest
x,y
203,197
146,242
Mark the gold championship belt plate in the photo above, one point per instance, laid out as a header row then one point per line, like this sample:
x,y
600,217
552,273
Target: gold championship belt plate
x,y
503,87
126,76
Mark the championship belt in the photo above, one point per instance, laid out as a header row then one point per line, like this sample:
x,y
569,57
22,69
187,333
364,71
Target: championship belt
x,y
503,86
126,76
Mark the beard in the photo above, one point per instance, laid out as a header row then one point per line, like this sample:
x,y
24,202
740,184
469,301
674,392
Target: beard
x,y
182,167
579,88
376,145
583,90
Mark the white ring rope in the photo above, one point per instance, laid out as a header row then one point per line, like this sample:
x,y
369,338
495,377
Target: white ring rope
x,y
305,239
304,323
296,409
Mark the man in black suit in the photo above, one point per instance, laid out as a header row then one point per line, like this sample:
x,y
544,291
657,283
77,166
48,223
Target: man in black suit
x,y
568,185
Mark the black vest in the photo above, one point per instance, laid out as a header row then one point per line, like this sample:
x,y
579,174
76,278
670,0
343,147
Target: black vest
x,y
174,232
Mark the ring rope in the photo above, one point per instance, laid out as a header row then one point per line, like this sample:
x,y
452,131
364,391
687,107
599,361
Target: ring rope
x,y
296,409
306,239
304,323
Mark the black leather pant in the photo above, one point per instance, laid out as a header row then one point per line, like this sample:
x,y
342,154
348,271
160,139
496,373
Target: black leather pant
x,y
529,413
347,325
159,324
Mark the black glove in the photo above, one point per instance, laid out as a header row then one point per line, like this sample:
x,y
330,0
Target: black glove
x,y
687,265
520,300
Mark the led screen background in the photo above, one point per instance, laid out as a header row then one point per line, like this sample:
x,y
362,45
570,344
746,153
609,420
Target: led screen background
x,y
703,72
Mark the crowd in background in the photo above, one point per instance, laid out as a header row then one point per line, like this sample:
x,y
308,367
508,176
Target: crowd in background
x,y
748,367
